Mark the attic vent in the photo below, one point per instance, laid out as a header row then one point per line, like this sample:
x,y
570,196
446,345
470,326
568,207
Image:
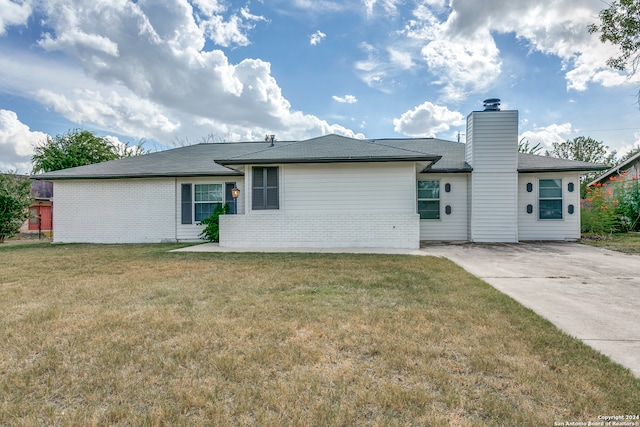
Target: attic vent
x,y
491,104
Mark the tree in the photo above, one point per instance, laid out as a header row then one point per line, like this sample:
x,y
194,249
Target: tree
x,y
584,149
15,199
78,148
525,147
620,25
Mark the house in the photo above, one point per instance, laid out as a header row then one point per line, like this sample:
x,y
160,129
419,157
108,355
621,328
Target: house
x,y
627,170
330,191
41,210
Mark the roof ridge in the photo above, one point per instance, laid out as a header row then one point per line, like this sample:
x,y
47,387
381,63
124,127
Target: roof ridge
x,y
282,144
400,148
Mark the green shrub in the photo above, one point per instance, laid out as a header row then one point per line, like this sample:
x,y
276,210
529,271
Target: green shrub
x,y
211,231
598,214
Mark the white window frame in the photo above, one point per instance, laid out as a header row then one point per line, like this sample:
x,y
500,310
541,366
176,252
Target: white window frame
x,y
197,203
542,199
428,199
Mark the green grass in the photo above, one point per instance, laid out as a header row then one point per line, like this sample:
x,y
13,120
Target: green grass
x,y
624,242
134,335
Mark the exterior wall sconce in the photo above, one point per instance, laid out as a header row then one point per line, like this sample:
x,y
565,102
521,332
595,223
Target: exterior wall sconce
x,y
235,192
570,187
447,187
447,209
529,209
529,187
571,209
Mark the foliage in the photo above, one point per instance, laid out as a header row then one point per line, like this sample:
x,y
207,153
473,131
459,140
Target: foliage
x,y
598,211
612,207
78,148
628,209
526,147
620,25
211,230
15,199
584,149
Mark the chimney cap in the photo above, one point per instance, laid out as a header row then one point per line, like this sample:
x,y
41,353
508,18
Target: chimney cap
x,y
491,104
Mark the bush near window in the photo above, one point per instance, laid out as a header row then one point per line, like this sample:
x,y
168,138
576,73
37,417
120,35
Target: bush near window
x,y
613,207
211,230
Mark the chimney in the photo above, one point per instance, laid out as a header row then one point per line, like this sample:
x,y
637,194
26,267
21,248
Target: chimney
x,y
492,152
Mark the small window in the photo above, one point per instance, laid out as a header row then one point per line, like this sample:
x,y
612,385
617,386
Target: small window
x,y
265,189
33,216
429,199
206,197
550,198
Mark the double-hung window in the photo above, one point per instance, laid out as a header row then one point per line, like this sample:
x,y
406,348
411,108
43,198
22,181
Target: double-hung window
x,y
550,198
429,199
264,191
205,199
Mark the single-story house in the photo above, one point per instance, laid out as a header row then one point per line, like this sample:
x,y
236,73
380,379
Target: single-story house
x,y
627,170
330,191
41,210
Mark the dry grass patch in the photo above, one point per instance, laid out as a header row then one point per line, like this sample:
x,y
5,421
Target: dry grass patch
x,y
133,335
624,242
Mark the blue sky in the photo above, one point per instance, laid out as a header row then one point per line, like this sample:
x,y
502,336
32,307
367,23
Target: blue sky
x,y
177,72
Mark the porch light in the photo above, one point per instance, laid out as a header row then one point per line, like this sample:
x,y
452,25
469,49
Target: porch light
x,y
235,192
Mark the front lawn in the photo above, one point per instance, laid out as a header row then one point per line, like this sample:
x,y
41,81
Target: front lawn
x,y
134,335
623,242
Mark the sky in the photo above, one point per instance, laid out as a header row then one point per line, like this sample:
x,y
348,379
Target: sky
x,y
169,73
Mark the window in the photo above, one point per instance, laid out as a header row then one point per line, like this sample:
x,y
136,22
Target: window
x,y
265,189
206,197
429,199
550,198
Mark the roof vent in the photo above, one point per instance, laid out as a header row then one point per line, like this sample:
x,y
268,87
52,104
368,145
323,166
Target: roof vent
x,y
491,104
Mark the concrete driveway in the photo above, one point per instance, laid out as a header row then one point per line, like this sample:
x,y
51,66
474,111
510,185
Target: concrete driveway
x,y
590,293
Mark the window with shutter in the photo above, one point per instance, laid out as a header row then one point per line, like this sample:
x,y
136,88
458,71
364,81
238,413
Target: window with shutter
x,y
265,190
186,204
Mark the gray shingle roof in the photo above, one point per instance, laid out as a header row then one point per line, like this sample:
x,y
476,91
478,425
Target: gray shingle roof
x,y
535,163
330,149
193,160
212,159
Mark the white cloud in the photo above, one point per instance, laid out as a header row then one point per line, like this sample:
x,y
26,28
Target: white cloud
x,y
547,135
627,148
427,120
347,99
402,59
388,6
146,72
316,37
16,143
13,14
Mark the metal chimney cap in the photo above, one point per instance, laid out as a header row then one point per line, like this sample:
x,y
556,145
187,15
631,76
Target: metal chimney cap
x,y
491,104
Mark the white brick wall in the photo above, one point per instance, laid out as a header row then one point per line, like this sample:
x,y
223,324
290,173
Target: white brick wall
x,y
312,230
115,211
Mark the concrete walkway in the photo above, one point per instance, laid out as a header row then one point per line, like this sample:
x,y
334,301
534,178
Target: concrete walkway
x,y
590,293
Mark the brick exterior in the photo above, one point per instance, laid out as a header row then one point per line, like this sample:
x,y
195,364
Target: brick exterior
x,y
314,230
115,211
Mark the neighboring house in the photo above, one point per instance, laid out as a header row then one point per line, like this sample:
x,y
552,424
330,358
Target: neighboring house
x,y
330,191
41,210
627,170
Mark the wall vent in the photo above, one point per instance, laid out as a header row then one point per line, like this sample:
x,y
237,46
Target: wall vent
x,y
491,104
